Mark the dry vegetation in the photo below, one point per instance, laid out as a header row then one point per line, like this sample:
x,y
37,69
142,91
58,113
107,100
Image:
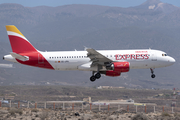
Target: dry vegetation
x,y
43,93
47,93
48,114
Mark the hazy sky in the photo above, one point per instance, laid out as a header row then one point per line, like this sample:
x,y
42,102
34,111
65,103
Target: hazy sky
x,y
54,3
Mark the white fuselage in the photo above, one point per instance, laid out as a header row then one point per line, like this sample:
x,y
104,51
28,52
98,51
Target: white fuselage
x,y
78,60
109,62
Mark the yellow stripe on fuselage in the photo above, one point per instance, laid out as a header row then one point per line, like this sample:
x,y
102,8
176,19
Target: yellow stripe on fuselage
x,y
13,28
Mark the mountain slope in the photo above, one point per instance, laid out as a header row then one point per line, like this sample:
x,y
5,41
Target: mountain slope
x,y
157,5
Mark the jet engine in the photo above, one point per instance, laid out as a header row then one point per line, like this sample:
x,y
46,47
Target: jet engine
x,y
119,67
112,73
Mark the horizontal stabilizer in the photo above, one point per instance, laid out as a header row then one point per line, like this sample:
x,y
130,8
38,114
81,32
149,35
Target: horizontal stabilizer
x,y
19,57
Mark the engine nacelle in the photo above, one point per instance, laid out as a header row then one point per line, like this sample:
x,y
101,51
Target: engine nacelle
x,y
112,73
119,67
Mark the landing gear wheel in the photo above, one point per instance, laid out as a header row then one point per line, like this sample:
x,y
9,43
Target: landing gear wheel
x,y
152,72
153,76
98,75
92,78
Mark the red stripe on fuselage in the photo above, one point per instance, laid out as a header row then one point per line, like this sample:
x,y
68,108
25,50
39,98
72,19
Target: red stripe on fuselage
x,y
20,45
34,60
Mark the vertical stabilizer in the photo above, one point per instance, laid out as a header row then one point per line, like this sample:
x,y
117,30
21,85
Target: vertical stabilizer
x,y
18,41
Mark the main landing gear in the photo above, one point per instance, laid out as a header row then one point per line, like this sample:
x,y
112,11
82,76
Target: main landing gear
x,y
94,77
152,73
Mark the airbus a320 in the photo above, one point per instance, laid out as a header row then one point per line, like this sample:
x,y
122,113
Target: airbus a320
x,y
109,62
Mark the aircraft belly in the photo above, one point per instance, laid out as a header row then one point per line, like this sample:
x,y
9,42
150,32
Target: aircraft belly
x,y
140,65
66,65
146,64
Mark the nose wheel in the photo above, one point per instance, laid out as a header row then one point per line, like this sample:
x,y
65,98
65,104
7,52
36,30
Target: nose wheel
x,y
94,77
152,73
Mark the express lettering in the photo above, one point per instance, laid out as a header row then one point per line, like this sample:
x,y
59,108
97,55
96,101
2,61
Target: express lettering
x,y
131,56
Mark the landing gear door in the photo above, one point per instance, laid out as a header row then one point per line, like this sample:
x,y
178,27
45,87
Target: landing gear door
x,y
153,56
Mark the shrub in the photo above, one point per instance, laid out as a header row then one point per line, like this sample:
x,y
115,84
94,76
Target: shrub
x,y
177,115
34,110
19,111
139,116
43,115
165,114
15,110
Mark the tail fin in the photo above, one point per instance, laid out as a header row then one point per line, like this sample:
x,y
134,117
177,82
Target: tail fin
x,y
18,41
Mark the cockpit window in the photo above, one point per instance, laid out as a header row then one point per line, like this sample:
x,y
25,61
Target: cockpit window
x,y
164,54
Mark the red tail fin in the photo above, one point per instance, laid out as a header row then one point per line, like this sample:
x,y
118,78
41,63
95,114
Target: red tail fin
x,y
18,41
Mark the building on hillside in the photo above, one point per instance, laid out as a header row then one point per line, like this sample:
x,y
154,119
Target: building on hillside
x,y
178,92
8,97
87,100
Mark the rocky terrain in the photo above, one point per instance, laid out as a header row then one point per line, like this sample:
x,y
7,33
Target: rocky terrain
x,y
48,114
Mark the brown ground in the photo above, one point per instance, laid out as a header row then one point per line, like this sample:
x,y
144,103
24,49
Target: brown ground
x,y
48,114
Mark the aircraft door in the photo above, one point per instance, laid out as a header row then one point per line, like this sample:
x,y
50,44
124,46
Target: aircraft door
x,y
153,56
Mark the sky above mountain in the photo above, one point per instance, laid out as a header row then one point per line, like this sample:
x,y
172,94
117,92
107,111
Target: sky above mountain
x,y
54,3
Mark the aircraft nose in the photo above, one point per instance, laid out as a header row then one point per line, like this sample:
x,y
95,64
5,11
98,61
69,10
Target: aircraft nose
x,y
171,60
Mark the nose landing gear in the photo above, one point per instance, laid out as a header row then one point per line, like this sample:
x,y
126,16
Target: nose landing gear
x,y
152,73
94,77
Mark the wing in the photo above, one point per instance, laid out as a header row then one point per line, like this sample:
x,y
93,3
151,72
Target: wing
x,y
96,57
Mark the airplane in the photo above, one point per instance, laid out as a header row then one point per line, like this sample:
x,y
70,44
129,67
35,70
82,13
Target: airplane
x,y
108,62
